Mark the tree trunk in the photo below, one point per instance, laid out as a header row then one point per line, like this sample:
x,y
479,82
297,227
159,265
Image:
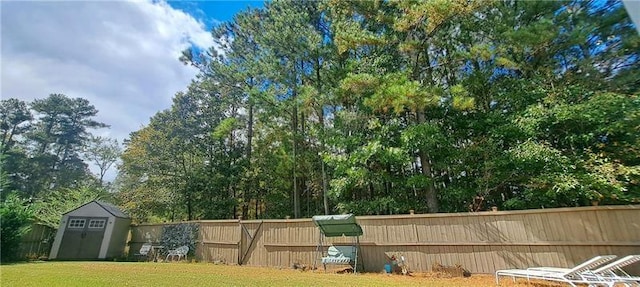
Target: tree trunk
x,y
247,191
189,209
249,134
325,196
6,142
296,193
431,192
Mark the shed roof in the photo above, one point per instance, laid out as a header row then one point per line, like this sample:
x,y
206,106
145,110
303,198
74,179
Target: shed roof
x,y
338,225
116,211
108,207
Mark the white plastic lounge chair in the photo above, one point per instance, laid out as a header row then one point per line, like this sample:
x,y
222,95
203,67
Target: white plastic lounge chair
x,y
609,272
181,252
573,276
614,272
144,251
590,267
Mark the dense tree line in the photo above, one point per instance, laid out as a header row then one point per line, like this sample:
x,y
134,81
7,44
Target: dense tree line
x,y
380,107
46,149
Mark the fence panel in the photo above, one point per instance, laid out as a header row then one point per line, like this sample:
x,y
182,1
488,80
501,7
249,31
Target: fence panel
x,y
219,241
36,243
480,242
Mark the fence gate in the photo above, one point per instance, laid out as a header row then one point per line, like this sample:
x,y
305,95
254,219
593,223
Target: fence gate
x,y
248,233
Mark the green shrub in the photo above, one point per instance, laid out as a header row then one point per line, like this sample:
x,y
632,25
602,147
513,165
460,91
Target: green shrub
x,y
16,218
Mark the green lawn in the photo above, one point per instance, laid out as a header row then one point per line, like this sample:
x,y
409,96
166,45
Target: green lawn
x,y
94,274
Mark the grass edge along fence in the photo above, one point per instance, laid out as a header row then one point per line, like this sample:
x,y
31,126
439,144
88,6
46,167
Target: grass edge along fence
x,y
480,242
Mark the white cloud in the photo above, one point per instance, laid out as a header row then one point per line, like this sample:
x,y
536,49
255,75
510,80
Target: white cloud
x,y
121,56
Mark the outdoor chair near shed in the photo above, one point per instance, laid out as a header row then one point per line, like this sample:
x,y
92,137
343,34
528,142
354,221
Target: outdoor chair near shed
x,y
181,252
144,251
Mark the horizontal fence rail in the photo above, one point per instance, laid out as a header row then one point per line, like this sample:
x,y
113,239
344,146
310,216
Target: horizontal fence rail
x,y
481,242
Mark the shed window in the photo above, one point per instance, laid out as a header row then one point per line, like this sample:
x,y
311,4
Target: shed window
x,y
76,223
97,223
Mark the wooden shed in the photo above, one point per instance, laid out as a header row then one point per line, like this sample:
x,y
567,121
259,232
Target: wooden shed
x,y
95,230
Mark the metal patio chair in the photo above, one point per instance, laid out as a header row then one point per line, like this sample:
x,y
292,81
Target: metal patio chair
x,y
180,252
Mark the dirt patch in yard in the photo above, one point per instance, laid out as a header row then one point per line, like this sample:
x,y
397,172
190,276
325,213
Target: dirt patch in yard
x,y
442,279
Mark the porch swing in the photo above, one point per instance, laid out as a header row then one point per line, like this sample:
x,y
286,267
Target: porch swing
x,y
336,226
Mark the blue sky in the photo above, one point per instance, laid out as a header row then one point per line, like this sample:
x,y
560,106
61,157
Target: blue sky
x,y
212,12
120,55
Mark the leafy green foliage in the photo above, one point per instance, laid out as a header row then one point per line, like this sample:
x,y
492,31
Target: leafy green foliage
x,y
48,210
46,149
47,152
103,153
17,217
379,107
14,121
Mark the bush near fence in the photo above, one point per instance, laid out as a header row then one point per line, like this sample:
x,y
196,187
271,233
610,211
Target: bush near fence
x,y
481,242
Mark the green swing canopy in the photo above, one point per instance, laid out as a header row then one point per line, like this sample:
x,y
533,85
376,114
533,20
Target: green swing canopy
x,y
338,225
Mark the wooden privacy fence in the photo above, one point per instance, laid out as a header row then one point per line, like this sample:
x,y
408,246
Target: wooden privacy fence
x,y
480,242
37,242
